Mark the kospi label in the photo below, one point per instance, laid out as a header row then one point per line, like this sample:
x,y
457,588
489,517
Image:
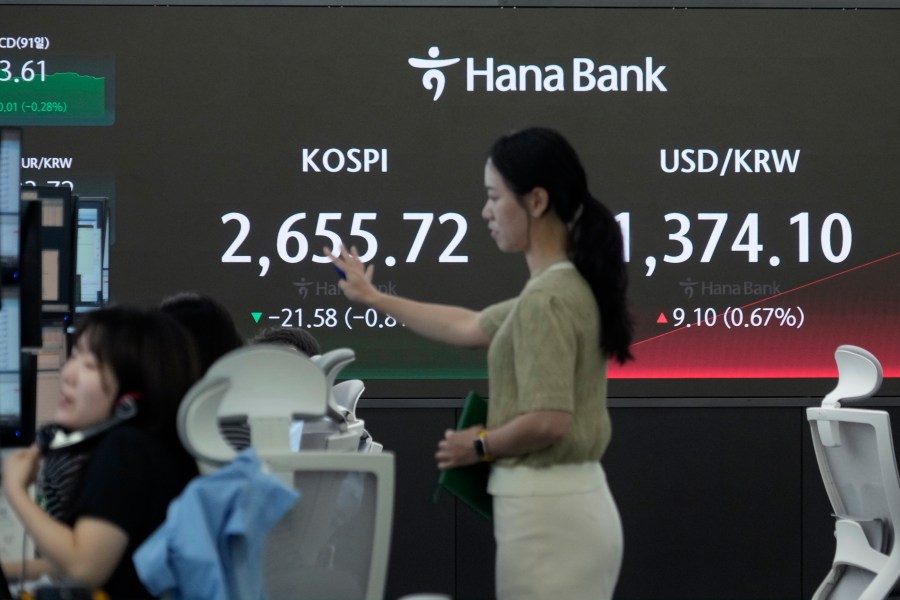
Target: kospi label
x,y
345,160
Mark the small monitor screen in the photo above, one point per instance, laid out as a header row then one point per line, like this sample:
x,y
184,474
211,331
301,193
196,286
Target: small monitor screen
x,y
90,253
10,157
10,362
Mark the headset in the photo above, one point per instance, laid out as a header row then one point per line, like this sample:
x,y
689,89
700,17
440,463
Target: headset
x,y
53,436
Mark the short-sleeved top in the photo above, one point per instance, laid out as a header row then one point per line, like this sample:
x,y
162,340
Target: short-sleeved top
x,y
129,481
545,355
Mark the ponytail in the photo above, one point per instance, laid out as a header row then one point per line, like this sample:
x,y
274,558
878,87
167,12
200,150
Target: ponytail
x,y
596,249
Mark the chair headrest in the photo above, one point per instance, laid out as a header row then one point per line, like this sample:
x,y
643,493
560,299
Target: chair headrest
x,y
260,382
859,375
331,364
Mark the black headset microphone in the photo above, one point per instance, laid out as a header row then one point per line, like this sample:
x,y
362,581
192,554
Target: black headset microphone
x,y
54,437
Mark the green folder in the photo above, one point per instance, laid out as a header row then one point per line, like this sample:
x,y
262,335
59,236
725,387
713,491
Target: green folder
x,y
469,483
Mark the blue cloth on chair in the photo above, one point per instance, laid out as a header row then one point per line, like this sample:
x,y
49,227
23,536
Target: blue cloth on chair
x,y
212,542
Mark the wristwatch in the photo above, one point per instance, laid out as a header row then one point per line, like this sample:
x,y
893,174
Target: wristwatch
x,y
481,446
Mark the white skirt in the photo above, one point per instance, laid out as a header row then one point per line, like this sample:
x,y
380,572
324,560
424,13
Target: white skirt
x,y
558,533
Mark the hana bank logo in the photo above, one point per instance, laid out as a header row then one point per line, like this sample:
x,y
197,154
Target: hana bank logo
x,y
580,75
433,78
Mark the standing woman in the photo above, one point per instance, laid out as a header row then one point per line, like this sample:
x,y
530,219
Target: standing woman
x,y
119,395
556,524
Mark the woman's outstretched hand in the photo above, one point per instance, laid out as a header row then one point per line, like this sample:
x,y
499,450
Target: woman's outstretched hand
x,y
356,278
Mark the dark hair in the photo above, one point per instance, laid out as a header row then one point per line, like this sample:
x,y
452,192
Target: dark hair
x,y
208,322
294,337
540,157
150,355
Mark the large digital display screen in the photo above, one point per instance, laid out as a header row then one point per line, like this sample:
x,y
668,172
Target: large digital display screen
x,y
749,155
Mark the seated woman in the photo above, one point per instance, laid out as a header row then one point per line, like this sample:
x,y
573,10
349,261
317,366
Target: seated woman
x,y
208,322
120,389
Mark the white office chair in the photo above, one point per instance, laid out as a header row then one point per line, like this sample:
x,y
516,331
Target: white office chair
x,y
855,453
297,389
334,543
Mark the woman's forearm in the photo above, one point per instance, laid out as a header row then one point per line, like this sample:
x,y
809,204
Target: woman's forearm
x,y
441,322
528,433
87,553
53,538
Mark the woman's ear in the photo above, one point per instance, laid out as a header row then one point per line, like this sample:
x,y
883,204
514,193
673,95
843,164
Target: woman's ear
x,y
537,201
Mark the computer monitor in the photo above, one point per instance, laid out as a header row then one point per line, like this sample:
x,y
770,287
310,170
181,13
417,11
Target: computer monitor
x,y
18,375
91,253
57,247
18,371
10,160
